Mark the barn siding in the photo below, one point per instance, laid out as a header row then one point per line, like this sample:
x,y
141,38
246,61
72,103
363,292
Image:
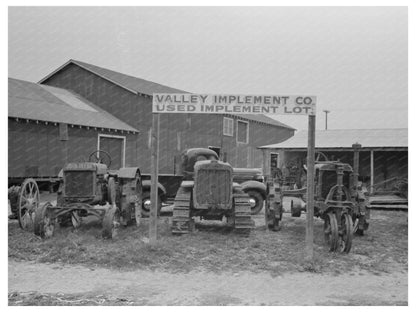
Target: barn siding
x,y
35,150
177,131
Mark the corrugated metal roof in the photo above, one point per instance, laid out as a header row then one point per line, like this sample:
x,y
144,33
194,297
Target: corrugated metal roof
x,y
133,83
138,85
264,119
345,138
28,100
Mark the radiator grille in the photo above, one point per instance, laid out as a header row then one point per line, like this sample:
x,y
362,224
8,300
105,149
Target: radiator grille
x,y
213,187
79,183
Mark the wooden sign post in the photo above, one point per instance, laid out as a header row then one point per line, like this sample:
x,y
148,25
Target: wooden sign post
x,y
310,187
154,168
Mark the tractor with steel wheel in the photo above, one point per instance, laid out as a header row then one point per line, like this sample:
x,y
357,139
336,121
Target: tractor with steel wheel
x,y
90,189
338,200
207,191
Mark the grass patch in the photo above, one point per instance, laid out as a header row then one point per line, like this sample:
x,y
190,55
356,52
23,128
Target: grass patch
x,y
38,299
214,247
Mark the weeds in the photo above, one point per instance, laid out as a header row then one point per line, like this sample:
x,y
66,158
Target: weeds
x,y
214,247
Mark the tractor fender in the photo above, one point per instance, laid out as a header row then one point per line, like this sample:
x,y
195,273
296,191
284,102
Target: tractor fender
x,y
254,185
128,172
146,184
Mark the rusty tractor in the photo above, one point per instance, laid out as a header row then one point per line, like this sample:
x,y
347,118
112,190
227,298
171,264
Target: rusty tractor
x,y
207,191
338,200
89,188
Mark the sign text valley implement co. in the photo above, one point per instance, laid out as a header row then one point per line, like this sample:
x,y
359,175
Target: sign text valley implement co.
x,y
238,104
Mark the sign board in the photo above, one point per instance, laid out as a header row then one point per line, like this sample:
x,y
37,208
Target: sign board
x,y
188,103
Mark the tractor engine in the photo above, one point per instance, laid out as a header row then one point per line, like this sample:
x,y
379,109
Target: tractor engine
x,y
85,183
213,185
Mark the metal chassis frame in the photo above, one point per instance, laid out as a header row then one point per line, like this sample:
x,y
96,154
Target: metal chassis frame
x,y
91,210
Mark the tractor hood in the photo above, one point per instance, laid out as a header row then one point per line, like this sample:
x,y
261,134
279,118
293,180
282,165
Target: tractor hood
x,y
246,174
86,166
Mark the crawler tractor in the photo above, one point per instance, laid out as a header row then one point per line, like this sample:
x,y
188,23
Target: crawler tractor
x,y
207,191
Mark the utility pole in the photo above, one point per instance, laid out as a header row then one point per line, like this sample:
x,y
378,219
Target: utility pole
x,y
326,118
154,168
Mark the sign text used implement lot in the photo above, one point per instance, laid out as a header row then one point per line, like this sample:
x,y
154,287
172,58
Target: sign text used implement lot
x,y
233,104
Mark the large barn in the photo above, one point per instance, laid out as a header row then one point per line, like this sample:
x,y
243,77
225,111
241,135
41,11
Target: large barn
x,y
129,99
50,126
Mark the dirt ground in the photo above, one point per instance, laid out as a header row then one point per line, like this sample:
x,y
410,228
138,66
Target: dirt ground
x,y
77,284
209,267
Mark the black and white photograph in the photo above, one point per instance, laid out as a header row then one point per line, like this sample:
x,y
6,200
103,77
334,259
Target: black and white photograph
x,y
207,155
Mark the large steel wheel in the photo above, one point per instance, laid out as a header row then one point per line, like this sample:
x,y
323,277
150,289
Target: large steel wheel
x,y
44,224
111,222
331,231
28,204
345,233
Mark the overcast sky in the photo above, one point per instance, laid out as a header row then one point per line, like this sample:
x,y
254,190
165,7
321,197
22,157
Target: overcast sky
x,y
354,59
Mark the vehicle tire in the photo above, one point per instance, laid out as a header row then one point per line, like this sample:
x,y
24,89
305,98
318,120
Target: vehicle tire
x,y
256,201
146,204
111,223
44,224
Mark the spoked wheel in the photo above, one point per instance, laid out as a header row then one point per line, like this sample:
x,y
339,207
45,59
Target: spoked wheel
x,y
28,204
345,233
331,231
111,222
44,224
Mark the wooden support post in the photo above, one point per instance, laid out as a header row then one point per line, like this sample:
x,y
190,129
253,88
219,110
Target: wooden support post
x,y
356,147
371,172
154,168
310,187
266,182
